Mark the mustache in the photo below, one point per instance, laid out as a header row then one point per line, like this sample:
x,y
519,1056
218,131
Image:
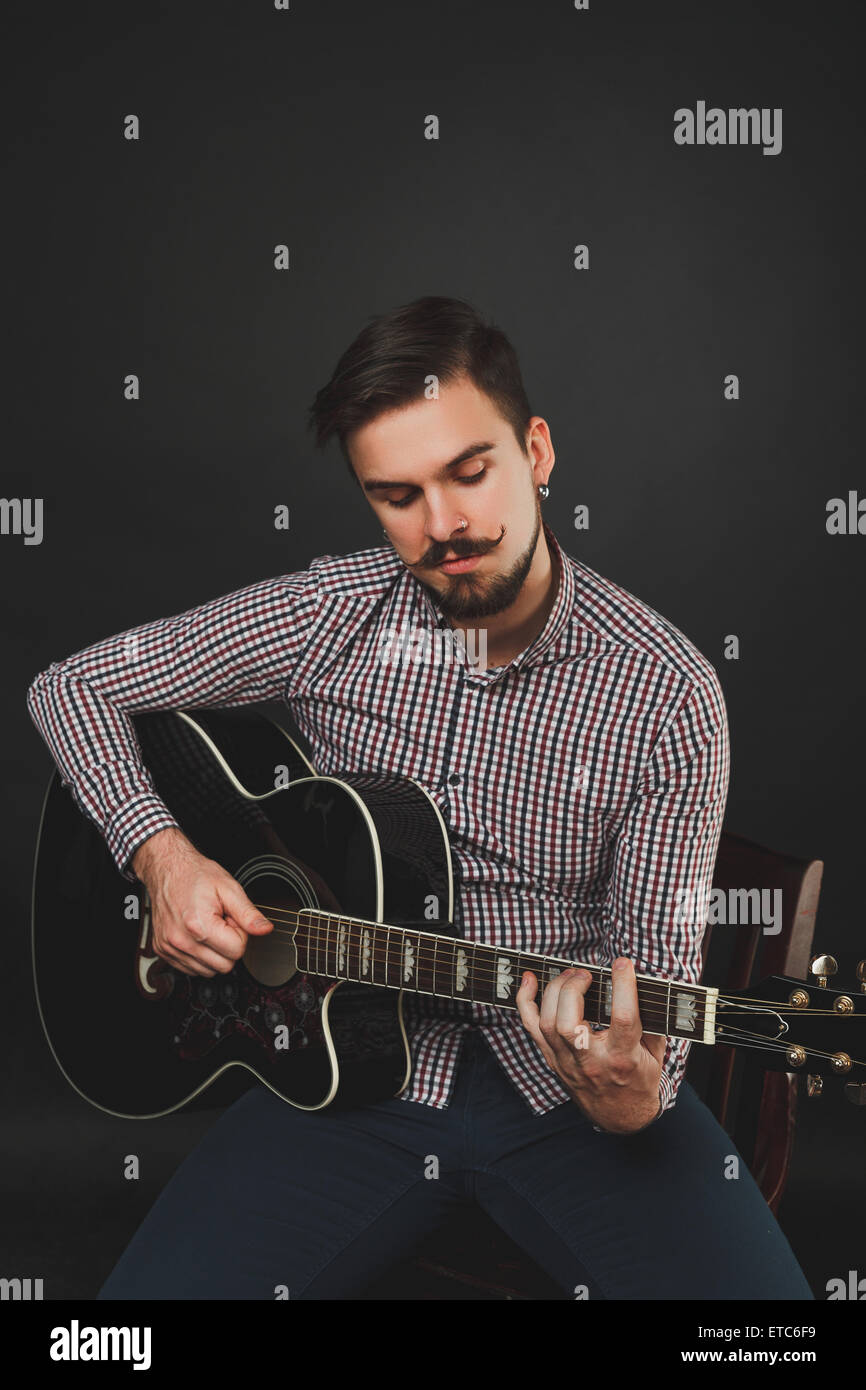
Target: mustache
x,y
459,549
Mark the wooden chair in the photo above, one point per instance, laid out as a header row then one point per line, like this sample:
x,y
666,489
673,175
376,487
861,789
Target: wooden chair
x,y
473,1259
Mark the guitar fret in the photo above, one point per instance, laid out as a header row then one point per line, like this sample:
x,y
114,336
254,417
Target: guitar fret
x,y
489,973
411,960
356,938
503,978
450,950
419,962
429,966
478,979
388,959
407,958
460,969
348,942
687,1022
605,1004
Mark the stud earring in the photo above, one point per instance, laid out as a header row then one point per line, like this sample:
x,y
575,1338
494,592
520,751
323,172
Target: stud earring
x,y
544,490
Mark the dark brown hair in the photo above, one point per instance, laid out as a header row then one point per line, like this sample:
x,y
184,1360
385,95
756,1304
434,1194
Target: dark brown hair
x,y
386,366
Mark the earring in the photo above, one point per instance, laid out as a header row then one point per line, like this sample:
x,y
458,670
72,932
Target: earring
x,y
544,490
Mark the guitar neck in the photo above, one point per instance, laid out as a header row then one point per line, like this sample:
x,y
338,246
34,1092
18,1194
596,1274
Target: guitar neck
x,y
374,953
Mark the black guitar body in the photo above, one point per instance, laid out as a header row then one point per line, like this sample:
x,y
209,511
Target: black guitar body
x,y
138,1038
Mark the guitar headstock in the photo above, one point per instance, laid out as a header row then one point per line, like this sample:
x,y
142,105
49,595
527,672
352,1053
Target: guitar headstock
x,y
813,1027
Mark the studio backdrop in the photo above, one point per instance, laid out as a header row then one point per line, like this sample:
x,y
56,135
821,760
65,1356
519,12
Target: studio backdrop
x,y
660,204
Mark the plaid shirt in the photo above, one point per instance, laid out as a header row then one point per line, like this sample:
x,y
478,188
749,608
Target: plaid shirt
x,y
583,783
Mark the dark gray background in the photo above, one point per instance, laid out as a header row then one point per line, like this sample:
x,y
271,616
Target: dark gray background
x,y
306,127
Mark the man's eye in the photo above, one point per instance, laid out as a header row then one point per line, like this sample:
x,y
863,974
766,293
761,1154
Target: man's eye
x,y
467,482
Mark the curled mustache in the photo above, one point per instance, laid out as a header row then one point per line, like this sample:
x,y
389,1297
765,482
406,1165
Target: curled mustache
x,y
458,549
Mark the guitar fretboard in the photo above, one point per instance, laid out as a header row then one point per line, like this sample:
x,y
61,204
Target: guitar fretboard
x,y
374,953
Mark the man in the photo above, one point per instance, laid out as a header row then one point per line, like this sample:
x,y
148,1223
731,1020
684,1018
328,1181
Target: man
x,y
582,772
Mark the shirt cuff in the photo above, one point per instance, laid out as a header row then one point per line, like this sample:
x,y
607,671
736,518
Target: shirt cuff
x,y
666,1092
131,825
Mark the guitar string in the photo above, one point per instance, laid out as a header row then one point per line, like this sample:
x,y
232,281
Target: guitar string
x,y
649,995
653,994
483,973
756,1041
761,1044
429,941
647,986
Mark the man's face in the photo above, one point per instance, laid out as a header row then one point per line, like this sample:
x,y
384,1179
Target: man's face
x,y
446,461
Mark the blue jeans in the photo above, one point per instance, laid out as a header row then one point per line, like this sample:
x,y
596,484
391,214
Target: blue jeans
x,y
319,1203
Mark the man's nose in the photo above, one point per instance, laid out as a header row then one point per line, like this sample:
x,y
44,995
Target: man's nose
x,y
444,522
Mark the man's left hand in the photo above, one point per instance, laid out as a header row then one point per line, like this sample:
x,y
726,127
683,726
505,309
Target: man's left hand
x,y
613,1075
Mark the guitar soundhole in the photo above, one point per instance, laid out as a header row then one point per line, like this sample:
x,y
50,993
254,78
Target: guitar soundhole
x,y
279,886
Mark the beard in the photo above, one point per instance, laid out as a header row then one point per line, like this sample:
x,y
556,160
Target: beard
x,y
473,595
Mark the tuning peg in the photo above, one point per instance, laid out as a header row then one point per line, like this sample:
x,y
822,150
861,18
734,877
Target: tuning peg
x,y
823,967
814,1086
855,1091
861,974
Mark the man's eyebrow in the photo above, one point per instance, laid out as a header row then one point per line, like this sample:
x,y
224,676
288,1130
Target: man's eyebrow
x,y
484,447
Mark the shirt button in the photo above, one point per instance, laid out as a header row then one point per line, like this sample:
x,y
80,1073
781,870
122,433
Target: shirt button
x,y
454,778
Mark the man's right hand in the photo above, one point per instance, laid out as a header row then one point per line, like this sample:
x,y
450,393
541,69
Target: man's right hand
x,y
200,916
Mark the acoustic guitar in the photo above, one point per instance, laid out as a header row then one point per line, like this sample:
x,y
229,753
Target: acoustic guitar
x,y
355,873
